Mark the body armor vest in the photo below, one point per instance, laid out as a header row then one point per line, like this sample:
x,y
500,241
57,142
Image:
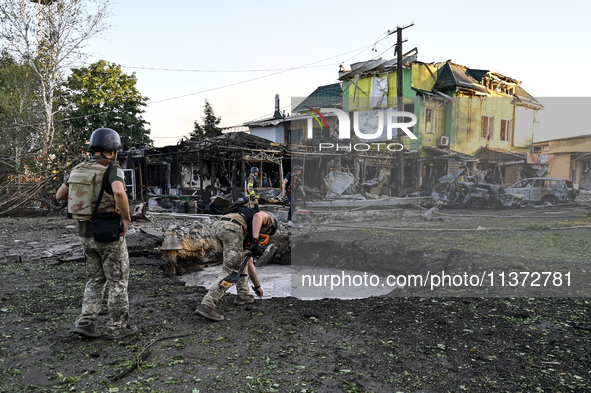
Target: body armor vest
x,y
84,186
294,185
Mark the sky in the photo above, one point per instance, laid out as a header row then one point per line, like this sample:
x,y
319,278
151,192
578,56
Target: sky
x,y
239,54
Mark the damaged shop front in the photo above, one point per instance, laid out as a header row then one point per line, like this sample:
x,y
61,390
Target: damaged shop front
x,y
458,179
346,174
184,177
434,163
506,166
509,166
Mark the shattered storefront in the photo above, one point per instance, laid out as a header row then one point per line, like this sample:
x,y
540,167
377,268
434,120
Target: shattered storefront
x,y
435,163
198,170
344,174
509,166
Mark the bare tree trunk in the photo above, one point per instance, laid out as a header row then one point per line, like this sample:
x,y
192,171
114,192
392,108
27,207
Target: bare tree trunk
x,y
48,36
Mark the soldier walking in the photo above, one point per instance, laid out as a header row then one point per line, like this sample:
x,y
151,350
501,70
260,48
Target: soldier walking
x,y
106,263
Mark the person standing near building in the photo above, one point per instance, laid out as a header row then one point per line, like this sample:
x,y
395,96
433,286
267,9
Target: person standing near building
x,y
237,231
489,177
292,186
266,182
106,263
252,183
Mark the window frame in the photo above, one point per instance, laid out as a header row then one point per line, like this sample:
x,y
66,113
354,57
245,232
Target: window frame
x,y
429,120
489,129
508,130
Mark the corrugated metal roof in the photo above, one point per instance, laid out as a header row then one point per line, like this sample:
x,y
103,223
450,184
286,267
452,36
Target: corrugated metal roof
x,y
273,121
526,100
454,76
564,139
485,152
572,145
447,153
323,96
229,140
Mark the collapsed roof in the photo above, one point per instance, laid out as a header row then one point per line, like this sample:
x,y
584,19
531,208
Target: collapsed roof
x,y
450,77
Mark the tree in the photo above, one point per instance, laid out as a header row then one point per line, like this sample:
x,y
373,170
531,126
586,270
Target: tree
x,y
101,95
48,35
19,113
210,128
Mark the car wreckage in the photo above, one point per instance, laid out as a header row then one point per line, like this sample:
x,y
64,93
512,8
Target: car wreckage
x,y
543,189
498,198
457,194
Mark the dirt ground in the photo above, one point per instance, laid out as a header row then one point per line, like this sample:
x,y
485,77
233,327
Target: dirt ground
x,y
410,341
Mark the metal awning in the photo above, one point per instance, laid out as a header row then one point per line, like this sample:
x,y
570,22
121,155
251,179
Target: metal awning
x,y
581,156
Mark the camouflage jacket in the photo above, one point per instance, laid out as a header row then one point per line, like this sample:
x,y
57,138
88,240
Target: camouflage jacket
x,y
252,183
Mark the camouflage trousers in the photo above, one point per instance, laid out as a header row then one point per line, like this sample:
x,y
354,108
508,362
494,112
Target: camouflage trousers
x,y
106,263
231,235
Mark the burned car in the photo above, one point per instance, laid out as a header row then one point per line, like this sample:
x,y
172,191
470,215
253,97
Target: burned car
x,y
544,189
457,194
499,198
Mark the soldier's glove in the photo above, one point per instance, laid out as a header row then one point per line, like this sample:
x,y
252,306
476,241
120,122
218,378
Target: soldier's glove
x,y
256,248
252,197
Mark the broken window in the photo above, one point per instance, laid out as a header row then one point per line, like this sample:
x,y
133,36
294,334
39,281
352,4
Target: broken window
x,y
296,136
506,128
523,184
429,121
486,127
319,132
442,187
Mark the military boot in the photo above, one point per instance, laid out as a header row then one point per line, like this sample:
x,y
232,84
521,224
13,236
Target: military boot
x,y
119,334
243,299
209,313
86,331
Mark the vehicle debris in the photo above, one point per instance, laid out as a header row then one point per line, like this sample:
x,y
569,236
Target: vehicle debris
x,y
543,189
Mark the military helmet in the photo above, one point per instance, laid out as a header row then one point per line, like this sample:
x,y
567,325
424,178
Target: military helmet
x,y
271,226
106,139
254,169
297,168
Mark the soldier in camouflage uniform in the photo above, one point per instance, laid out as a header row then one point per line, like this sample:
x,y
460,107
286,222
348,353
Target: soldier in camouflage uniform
x,y
252,183
106,263
235,231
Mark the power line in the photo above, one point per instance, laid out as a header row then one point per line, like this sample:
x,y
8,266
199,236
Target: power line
x,y
254,79
184,70
196,93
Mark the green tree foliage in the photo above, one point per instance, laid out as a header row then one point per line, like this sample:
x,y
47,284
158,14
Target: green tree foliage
x,y
48,37
20,118
101,95
210,128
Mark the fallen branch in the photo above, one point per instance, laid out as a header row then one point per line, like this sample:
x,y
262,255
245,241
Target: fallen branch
x,y
19,199
132,368
143,355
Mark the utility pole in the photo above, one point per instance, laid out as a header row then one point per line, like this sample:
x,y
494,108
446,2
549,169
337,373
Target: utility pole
x,y
399,108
